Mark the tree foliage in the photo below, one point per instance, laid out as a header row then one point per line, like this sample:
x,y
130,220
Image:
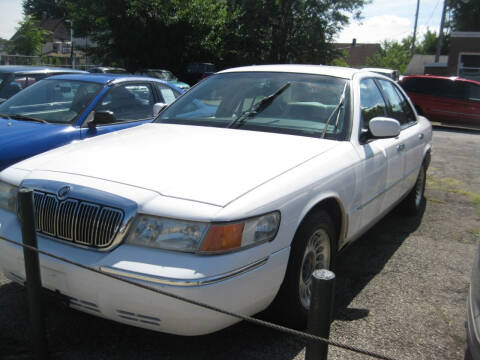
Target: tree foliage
x,y
172,33
282,31
29,38
429,44
41,8
397,54
392,55
465,15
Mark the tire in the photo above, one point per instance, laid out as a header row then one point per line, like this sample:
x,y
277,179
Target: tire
x,y
313,247
412,204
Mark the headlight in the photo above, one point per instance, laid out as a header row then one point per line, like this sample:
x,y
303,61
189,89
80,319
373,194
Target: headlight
x,y
8,196
200,237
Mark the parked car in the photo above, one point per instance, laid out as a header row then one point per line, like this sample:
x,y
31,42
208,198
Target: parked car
x,y
392,74
198,71
64,108
448,100
234,207
165,75
473,312
14,78
108,70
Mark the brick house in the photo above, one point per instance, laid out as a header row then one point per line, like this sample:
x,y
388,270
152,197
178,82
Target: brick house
x,y
357,54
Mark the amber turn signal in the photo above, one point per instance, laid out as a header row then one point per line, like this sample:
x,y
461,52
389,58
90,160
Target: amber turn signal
x,y
223,237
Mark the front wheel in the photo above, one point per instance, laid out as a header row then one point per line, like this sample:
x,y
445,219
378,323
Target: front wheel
x,y
313,247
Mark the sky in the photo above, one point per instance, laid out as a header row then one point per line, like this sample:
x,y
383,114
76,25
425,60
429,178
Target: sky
x,y
382,20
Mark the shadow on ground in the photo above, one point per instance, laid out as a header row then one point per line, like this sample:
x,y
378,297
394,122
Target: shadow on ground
x,y
74,335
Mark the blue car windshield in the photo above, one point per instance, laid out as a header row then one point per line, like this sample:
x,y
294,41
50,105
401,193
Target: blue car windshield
x,y
298,104
52,100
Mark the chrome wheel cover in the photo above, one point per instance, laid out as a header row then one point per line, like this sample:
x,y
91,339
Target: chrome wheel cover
x,y
316,256
419,188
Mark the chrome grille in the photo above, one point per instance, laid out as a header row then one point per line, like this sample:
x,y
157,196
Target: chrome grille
x,y
78,221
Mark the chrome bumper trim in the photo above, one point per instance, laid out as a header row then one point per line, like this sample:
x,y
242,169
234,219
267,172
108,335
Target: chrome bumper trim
x,y
183,282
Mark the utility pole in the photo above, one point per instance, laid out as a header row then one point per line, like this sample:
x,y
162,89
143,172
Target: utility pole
x,y
440,33
415,28
72,54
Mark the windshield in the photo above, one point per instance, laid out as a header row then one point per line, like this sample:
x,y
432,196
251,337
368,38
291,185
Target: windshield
x,y
303,107
52,100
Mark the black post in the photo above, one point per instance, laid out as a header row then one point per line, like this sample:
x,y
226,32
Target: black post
x,y
32,271
320,313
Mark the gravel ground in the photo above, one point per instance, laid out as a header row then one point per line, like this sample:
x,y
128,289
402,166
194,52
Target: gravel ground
x,y
401,288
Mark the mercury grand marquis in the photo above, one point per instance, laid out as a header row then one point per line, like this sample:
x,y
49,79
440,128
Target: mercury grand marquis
x,y
232,196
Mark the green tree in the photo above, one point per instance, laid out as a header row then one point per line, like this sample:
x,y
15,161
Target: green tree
x,y
29,38
465,15
392,55
155,33
172,33
40,8
282,31
429,44
340,60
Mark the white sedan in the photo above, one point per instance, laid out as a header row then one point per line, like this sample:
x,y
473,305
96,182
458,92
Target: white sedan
x,y
232,197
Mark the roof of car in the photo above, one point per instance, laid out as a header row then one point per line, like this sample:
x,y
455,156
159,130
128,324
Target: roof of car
x,y
36,69
452,78
341,72
103,78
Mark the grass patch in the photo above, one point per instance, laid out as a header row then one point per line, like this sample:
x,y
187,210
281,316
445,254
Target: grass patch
x,y
474,232
452,185
443,182
435,200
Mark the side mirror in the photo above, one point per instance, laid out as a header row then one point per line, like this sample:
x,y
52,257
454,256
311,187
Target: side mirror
x,y
383,127
101,118
157,108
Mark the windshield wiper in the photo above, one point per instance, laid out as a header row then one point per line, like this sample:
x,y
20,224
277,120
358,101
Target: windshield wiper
x,y
27,118
6,116
337,108
259,107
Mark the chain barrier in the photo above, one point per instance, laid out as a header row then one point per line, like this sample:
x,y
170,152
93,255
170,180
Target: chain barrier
x,y
249,319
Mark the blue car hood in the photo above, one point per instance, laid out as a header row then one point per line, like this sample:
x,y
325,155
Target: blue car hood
x,y
22,139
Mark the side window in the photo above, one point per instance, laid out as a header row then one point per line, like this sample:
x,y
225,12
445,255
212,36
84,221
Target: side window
x,y
129,102
371,102
399,107
167,95
473,92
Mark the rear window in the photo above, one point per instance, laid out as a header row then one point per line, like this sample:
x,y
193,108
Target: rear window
x,y
437,87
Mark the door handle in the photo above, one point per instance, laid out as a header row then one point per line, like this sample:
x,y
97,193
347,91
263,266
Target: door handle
x,y
400,147
421,136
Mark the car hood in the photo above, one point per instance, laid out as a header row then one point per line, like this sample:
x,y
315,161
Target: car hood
x,y
21,139
204,164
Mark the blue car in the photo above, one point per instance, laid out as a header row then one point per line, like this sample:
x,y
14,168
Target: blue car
x,y
14,78
64,108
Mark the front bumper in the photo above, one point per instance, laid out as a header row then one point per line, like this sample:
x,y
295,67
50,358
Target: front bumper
x,y
245,290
